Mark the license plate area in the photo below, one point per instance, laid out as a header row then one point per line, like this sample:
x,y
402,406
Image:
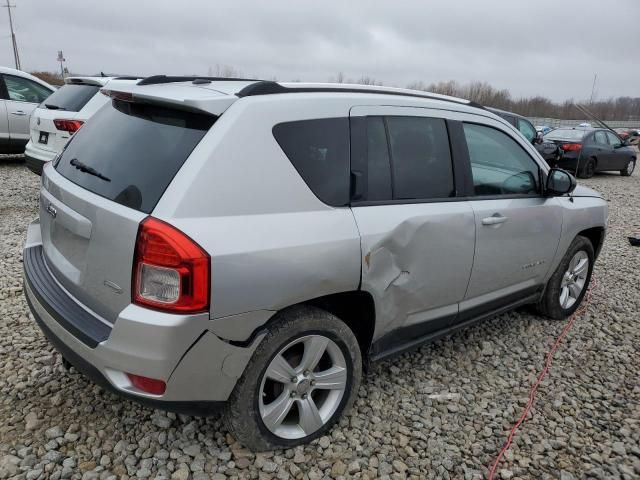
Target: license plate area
x,y
43,138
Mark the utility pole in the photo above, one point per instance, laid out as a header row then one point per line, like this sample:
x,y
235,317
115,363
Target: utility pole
x,y
16,57
593,88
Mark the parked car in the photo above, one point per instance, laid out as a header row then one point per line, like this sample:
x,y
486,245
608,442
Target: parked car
x,y
20,93
634,136
590,150
623,133
63,113
548,150
182,266
543,129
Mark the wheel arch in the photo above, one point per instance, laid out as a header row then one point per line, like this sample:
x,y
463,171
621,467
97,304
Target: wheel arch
x,y
596,236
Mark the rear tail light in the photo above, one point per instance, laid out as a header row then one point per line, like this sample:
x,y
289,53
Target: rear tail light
x,y
171,272
571,147
70,126
146,384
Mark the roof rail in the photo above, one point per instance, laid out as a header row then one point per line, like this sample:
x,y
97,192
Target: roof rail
x,y
266,87
158,79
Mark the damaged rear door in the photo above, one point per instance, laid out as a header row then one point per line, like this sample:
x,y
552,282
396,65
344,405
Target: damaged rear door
x,y
417,235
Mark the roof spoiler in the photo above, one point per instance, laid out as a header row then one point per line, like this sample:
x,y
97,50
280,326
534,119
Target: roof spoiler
x,y
159,79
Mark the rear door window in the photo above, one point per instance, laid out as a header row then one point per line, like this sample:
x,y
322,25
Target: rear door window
x,y
319,151
378,164
130,152
71,98
600,138
420,158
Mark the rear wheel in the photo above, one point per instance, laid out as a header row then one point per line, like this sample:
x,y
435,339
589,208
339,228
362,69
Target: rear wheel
x,y
569,283
304,374
626,172
588,168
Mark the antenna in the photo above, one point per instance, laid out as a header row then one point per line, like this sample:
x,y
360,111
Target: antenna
x,y
16,57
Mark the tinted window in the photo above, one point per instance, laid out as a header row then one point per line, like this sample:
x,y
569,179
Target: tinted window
x,y
71,97
526,129
600,138
498,164
24,90
319,150
146,147
420,158
509,118
614,141
378,166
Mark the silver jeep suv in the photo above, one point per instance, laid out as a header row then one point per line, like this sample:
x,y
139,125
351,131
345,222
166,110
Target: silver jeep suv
x,y
250,245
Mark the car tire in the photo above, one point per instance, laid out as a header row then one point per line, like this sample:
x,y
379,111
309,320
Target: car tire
x,y
265,414
588,168
569,283
626,172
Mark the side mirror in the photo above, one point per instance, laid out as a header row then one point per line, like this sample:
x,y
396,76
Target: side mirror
x,y
539,138
559,182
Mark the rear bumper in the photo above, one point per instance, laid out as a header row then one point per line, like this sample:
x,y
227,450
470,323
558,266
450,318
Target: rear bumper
x,y
36,157
200,369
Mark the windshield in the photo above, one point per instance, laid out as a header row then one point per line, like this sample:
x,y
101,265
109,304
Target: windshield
x,y
565,134
130,152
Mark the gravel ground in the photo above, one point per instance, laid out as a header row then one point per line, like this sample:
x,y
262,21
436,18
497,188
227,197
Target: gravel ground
x,y
440,412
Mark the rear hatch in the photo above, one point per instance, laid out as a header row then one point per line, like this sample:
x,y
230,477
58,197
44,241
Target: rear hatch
x,y
63,105
110,177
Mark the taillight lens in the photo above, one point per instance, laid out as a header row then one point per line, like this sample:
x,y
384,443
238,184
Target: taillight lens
x,y
171,272
146,384
70,126
571,147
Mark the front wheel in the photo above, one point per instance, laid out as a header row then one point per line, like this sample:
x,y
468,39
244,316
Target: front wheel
x,y
304,374
628,170
569,283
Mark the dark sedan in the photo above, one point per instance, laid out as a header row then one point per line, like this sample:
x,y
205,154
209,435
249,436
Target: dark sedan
x,y
586,151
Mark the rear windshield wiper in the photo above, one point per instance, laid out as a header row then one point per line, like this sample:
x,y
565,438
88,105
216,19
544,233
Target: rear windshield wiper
x,y
51,106
86,169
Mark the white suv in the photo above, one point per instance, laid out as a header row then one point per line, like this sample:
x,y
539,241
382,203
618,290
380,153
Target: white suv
x,y
63,113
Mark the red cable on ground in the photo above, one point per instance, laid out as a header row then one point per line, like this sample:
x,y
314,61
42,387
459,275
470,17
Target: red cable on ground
x,y
543,373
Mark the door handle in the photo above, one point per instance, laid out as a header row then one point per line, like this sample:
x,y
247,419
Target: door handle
x,y
18,112
495,219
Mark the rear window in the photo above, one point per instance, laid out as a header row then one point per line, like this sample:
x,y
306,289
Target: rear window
x,y
71,97
319,150
565,134
129,152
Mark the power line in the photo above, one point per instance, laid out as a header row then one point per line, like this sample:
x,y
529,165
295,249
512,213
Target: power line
x,y
16,57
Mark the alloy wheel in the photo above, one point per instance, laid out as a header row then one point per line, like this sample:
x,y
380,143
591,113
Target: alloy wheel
x,y
302,387
574,279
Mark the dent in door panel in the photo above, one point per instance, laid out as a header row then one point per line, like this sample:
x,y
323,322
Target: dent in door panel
x,y
411,275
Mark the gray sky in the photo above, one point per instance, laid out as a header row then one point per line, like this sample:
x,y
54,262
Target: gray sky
x,y
508,43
